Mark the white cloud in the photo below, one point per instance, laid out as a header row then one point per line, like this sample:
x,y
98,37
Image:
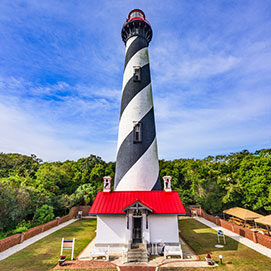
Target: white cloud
x,y
23,133
231,125
64,127
210,73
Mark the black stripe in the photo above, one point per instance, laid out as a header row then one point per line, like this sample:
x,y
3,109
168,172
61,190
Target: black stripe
x,y
135,46
129,152
132,88
157,185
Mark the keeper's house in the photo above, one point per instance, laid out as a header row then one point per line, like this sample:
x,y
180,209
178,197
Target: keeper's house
x,y
125,218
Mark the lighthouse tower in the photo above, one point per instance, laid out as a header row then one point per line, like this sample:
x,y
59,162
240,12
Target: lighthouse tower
x,y
137,167
137,213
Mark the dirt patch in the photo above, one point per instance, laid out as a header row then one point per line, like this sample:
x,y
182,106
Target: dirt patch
x,y
137,268
86,265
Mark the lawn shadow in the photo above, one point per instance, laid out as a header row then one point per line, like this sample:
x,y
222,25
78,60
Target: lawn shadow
x,y
203,239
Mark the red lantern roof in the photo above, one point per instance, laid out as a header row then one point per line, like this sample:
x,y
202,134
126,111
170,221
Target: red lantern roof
x,y
159,202
136,14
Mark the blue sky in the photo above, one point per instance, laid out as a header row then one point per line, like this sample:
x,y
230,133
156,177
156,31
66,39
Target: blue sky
x,y
61,65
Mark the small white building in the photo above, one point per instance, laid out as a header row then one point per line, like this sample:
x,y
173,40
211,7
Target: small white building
x,y
125,218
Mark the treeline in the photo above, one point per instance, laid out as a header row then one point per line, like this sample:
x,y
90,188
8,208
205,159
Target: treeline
x,y
217,183
33,192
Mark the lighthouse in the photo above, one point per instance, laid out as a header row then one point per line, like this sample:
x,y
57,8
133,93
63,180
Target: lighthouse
x,y
137,166
137,218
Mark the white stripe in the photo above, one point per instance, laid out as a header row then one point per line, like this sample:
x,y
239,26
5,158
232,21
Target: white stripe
x,y
129,42
143,174
140,59
137,108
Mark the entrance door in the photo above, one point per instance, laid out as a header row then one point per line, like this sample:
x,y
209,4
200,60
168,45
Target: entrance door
x,y
137,230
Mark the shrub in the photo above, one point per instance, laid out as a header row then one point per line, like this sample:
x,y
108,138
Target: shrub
x,y
20,229
24,223
44,214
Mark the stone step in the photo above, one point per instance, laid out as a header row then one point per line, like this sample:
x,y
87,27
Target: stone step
x,y
137,253
137,256
129,257
136,259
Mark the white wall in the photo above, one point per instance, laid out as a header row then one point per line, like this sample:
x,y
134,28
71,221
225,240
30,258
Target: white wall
x,y
164,228
111,229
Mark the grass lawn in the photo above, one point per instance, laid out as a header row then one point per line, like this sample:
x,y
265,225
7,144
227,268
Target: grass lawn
x,y
236,256
44,254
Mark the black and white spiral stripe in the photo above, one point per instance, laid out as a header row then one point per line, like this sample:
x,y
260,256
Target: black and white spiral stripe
x,y
137,166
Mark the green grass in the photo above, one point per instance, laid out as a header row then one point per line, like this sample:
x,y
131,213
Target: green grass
x,y
236,256
44,254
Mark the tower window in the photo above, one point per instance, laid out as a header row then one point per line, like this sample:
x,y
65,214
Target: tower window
x,y
137,74
137,132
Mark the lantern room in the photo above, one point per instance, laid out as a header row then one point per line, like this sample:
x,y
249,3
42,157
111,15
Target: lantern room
x,y
136,14
136,25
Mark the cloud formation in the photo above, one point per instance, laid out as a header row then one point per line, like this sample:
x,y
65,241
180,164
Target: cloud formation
x,y
61,76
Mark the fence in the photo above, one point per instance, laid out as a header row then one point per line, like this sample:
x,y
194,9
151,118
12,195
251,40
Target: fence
x,y
245,232
19,238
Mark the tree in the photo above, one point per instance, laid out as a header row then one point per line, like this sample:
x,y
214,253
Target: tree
x,y
44,214
84,194
14,204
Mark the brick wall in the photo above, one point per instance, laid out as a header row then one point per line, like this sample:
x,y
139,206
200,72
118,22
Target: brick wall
x,y
19,238
226,224
245,232
84,209
49,225
210,218
263,240
64,219
33,231
73,212
9,242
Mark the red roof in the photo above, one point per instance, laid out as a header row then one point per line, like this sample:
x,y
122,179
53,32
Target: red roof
x,y
160,202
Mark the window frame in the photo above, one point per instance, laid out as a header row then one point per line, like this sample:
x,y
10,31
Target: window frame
x,y
137,74
137,135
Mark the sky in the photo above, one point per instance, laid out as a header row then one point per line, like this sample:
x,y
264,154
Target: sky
x,y
61,67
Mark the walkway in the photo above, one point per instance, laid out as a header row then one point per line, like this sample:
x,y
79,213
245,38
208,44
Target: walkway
x,y
257,247
32,240
190,260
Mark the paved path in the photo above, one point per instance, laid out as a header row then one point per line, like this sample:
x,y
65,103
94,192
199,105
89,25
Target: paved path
x,y
32,240
257,247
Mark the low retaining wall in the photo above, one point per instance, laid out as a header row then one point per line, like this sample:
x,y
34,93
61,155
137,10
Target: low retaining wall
x,y
85,209
19,238
245,232
10,242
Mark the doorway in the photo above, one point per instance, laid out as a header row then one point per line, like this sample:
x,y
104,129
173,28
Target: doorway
x,y
137,230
